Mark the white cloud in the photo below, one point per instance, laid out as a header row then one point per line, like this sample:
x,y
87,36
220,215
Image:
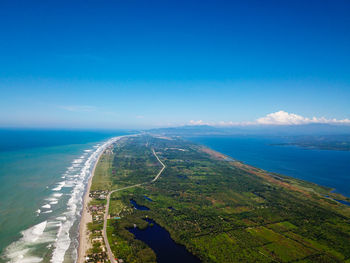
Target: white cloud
x,y
285,118
277,118
200,122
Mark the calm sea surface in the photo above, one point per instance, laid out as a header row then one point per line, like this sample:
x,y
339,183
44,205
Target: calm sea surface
x,y
42,179
324,167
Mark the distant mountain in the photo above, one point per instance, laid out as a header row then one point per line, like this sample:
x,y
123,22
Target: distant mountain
x,y
190,130
273,130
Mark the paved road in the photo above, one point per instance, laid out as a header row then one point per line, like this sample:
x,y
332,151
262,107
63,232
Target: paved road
x,y
104,232
161,170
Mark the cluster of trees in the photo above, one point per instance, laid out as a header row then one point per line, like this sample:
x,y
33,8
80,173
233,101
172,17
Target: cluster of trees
x,y
133,162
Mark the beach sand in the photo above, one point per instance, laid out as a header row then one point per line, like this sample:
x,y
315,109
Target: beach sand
x,y
84,241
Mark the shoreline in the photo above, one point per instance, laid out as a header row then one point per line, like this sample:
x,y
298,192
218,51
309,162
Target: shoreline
x,y
84,242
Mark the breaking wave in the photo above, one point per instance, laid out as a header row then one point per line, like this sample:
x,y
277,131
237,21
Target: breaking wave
x,y
54,233
19,251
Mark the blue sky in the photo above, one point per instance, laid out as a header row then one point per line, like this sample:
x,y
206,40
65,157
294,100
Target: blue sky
x,y
136,64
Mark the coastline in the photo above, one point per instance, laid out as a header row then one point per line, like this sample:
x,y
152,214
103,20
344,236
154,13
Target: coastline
x,y
84,243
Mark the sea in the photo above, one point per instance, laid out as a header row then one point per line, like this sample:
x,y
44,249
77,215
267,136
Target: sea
x,y
324,167
43,176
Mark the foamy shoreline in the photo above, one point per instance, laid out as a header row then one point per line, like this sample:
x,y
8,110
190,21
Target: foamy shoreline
x,y
84,243
55,233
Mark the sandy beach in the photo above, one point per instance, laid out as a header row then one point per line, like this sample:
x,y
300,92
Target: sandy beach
x,y
84,242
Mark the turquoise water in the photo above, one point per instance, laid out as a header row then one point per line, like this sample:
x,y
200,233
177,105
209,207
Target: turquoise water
x,y
41,184
324,167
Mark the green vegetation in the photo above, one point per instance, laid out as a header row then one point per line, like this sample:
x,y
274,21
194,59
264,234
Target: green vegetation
x,y
133,162
221,210
102,176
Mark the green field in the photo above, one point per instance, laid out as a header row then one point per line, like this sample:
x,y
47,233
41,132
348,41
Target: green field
x,y
222,211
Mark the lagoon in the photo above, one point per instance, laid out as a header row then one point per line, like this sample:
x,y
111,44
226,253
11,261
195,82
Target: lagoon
x,y
324,167
157,238
166,249
137,206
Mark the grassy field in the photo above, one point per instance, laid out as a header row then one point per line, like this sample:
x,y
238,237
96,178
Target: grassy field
x,y
102,179
221,210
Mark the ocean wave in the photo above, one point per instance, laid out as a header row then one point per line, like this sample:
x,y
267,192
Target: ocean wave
x,y
69,183
74,204
61,218
20,251
79,160
59,186
54,232
51,199
32,234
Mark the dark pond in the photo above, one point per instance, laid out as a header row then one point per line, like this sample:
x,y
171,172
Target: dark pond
x,y
147,198
137,206
160,241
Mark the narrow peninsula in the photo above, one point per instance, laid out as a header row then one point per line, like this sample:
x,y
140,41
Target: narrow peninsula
x,y
216,208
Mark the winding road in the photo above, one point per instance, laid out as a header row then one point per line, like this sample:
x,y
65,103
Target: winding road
x,y
104,233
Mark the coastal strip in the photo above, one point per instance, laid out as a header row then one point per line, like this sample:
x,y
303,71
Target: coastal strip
x,y
84,242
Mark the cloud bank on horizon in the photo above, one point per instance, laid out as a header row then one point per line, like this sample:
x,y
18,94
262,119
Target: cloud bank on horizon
x,y
278,118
